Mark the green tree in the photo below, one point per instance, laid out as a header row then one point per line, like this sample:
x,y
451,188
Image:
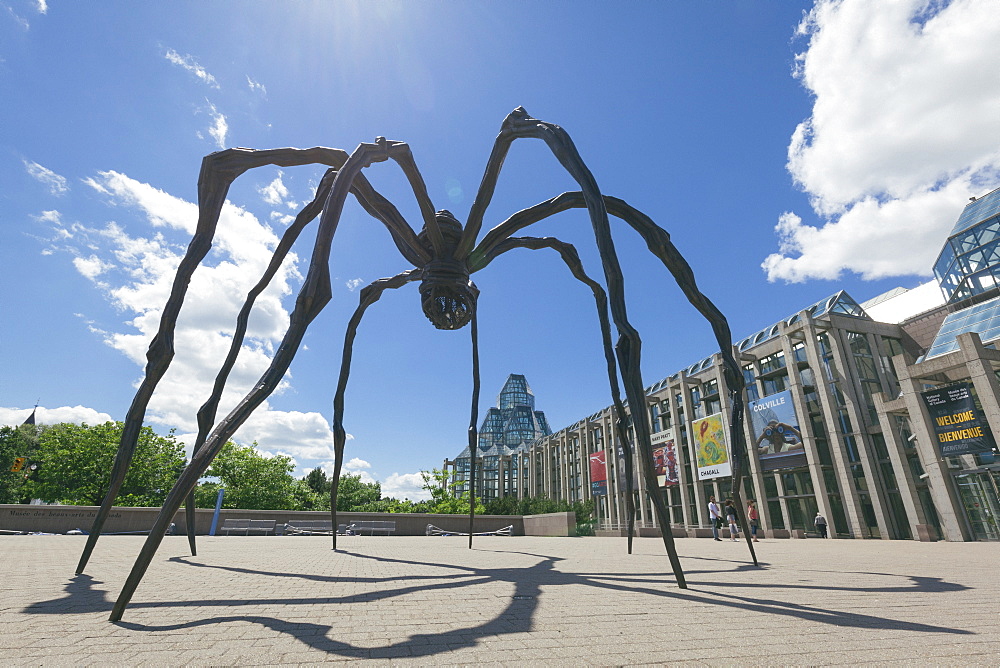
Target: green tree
x,y
443,500
17,442
390,505
316,491
75,461
254,481
318,481
352,493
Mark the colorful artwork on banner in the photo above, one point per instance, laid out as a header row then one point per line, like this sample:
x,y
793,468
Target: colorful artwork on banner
x,y
776,432
598,474
665,458
959,426
710,447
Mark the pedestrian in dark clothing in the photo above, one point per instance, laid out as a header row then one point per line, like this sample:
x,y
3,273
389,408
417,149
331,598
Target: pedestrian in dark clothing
x,y
820,523
734,528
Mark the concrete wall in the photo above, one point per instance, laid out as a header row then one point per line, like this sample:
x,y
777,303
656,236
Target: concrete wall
x,y
550,524
60,519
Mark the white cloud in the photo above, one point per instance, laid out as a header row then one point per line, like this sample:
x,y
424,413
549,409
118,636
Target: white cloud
x,y
54,182
275,191
256,86
42,6
405,486
19,20
303,436
356,464
161,209
901,134
137,273
54,219
282,218
73,414
192,66
353,284
219,128
91,267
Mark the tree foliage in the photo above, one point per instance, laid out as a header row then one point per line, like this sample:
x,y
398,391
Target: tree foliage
x,y
74,466
254,481
353,493
16,442
443,500
538,505
75,461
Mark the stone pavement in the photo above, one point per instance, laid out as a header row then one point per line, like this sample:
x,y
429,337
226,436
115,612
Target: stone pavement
x,y
518,600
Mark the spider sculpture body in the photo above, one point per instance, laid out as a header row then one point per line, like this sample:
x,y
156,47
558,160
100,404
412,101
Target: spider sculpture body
x,y
444,255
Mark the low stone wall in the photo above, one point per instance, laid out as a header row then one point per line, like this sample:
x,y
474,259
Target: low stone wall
x,y
550,524
60,519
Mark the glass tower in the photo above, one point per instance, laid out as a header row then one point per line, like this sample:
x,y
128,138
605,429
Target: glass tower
x,y
505,433
969,263
968,270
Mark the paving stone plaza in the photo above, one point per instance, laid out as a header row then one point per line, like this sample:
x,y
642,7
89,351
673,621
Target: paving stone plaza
x,y
509,601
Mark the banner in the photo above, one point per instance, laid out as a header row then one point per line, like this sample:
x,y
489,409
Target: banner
x,y
710,447
598,474
775,429
959,426
665,458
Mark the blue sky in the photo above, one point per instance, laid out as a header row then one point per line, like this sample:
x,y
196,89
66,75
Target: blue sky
x,y
790,149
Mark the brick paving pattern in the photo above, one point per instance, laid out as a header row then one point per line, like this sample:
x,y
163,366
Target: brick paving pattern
x,y
510,601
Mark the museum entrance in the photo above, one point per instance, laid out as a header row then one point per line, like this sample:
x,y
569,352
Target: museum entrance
x,y
980,494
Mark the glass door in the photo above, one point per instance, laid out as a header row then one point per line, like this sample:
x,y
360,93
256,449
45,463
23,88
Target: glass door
x,y
979,492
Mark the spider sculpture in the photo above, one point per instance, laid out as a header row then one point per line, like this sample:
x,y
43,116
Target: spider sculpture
x,y
444,255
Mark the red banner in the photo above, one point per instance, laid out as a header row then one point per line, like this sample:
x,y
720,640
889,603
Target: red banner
x,y
598,474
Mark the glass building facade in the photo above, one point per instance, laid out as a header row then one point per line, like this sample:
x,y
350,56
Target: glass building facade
x,y
969,263
504,436
867,454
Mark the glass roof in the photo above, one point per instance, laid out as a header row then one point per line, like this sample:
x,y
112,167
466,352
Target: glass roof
x,y
984,207
839,302
984,319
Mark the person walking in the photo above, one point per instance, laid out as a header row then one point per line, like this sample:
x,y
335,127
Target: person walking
x,y
820,523
754,518
715,516
734,528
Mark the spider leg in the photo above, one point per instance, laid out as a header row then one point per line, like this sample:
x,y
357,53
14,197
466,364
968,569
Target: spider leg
x,y
312,297
218,171
376,205
519,124
572,260
208,410
369,295
404,158
473,434
658,242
